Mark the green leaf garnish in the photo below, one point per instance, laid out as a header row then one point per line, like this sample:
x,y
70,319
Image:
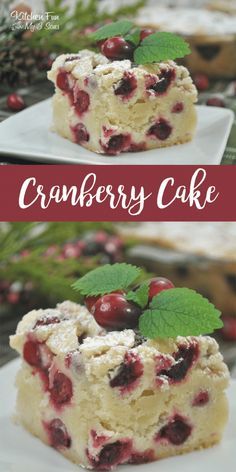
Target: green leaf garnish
x,y
107,279
139,296
119,28
179,312
161,46
134,36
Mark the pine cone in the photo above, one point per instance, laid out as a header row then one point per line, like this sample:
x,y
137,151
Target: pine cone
x,y
20,64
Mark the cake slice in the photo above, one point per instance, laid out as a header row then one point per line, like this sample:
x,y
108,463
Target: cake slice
x,y
108,398
113,106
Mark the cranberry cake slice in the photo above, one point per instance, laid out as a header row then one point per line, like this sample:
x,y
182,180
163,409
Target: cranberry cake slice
x,y
111,106
104,399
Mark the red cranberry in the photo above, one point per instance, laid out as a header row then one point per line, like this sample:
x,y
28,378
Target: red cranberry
x,y
80,133
178,107
61,390
215,102
229,329
144,33
157,285
15,102
185,358
201,399
176,431
58,435
90,301
13,298
164,80
113,311
46,320
117,143
37,355
32,354
126,86
129,372
202,82
117,48
101,237
82,102
161,130
112,455
62,81
70,250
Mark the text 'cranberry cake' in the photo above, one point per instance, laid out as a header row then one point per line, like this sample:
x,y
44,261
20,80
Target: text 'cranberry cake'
x,y
111,106
108,398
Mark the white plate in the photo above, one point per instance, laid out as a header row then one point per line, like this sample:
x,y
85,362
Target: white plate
x,y
21,452
27,135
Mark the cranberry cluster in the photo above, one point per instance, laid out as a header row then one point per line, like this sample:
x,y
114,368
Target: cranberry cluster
x,y
114,312
118,48
107,248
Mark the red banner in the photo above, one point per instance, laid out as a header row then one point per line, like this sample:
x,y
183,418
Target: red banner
x,y
117,193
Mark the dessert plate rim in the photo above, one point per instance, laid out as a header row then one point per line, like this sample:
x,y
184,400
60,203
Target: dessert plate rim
x,y
19,450
34,140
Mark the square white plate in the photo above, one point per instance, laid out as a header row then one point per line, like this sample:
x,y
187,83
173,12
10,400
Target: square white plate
x,y
21,452
27,135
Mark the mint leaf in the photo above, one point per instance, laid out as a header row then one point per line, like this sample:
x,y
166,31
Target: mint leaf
x,y
119,28
139,296
134,36
161,46
107,279
179,312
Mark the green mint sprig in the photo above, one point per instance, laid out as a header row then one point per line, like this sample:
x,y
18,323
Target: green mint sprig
x,y
179,312
171,313
107,279
139,296
118,28
159,46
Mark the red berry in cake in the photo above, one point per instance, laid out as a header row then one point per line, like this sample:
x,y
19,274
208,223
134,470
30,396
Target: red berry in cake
x,y
111,455
61,390
114,312
178,107
215,102
202,82
62,81
126,86
128,374
58,435
144,33
80,133
31,353
160,84
82,102
157,285
117,49
117,143
15,102
201,399
185,357
176,431
161,130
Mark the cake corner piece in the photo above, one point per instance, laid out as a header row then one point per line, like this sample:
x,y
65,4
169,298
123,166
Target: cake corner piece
x,y
108,398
